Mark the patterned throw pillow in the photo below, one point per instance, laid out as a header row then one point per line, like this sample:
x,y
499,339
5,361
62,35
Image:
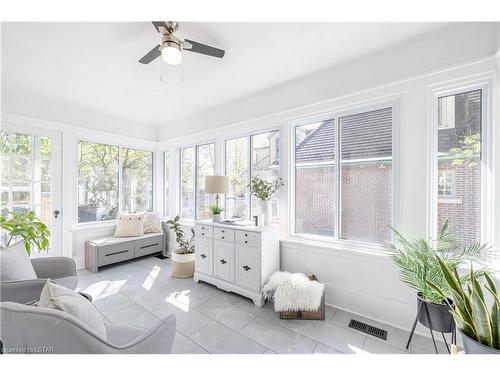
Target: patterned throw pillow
x,y
130,225
152,223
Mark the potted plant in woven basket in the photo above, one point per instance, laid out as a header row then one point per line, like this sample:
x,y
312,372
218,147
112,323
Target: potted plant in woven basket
x,y
183,257
418,265
478,321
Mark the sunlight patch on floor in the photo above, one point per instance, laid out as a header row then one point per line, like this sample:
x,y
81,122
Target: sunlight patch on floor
x,y
179,300
150,279
103,289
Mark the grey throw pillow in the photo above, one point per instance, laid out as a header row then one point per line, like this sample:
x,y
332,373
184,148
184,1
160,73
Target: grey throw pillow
x,y
15,263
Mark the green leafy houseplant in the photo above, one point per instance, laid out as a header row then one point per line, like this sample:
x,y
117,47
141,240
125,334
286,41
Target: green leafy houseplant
x,y
215,210
418,265
186,246
470,310
264,190
26,225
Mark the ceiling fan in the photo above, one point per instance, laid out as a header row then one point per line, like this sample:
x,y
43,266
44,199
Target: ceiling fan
x,y
171,47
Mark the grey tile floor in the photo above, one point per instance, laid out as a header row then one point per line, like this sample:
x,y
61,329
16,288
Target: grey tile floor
x,y
210,320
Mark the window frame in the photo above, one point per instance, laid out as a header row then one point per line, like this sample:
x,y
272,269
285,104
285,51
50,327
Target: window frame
x,y
487,204
195,175
120,175
248,136
394,104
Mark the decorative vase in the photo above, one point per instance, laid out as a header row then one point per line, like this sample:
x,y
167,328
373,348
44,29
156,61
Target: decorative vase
x,y
471,346
216,218
182,265
267,210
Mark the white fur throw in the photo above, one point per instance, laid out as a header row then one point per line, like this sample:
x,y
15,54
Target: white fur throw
x,y
294,292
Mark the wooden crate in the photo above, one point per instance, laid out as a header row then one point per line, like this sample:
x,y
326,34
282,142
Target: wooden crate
x,y
307,315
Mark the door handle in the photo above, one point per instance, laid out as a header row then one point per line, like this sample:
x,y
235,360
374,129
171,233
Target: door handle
x,y
223,261
246,268
203,256
57,213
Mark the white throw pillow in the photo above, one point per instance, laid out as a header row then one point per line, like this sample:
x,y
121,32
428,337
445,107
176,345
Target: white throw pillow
x,y
152,223
130,225
15,263
60,298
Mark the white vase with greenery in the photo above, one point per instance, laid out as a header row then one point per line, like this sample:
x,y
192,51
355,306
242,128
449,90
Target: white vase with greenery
x,y
216,211
183,257
264,189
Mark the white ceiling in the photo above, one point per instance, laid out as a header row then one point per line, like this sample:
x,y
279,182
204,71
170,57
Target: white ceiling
x,y
87,74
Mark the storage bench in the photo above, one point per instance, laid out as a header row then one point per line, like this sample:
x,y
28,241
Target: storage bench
x,y
109,250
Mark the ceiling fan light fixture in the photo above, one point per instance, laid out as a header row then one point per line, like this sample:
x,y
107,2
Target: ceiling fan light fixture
x,y
171,53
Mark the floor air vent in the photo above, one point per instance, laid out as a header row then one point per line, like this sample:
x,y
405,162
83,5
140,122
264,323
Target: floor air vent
x,y
366,328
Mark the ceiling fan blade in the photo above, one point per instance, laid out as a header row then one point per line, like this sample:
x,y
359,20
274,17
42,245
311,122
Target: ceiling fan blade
x,y
157,25
151,55
204,49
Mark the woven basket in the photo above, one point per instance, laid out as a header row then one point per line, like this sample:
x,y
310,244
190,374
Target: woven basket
x,y
307,315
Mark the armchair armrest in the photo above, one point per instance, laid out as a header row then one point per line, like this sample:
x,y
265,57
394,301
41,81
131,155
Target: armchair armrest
x,y
54,267
21,291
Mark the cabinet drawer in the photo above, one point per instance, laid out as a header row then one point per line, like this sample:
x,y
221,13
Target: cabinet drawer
x,y
203,231
204,256
224,260
116,253
148,246
224,234
247,238
247,272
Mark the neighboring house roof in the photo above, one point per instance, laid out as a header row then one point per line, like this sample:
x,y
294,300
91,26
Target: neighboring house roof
x,y
364,136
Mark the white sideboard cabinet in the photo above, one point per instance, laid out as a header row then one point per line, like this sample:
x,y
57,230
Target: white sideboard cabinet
x,y
237,259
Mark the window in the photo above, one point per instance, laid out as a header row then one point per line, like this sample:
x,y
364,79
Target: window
x,y
166,181
447,112
446,183
26,170
97,182
459,165
99,167
196,163
245,157
137,180
352,200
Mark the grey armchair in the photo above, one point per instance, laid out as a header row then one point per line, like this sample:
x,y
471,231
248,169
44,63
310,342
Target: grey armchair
x,y
61,270
29,329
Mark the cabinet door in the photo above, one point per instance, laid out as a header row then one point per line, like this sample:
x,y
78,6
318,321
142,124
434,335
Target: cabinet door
x,y
224,260
247,271
204,256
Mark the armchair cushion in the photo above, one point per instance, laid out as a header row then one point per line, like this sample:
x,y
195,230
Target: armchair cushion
x,y
54,267
57,297
15,263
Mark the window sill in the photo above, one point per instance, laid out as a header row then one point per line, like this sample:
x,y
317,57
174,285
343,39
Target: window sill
x,y
346,248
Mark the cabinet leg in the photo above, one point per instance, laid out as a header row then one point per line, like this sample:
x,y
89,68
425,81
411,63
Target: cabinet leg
x,y
259,302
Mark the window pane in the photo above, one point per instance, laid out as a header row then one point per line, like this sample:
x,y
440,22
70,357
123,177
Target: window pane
x,y
315,178
166,180
97,182
459,156
187,182
237,169
266,164
137,180
206,167
366,176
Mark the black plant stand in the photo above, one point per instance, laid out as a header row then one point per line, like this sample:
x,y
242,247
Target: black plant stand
x,y
453,330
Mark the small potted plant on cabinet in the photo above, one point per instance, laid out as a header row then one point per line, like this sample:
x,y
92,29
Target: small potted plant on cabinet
x,y
216,212
182,257
418,265
478,321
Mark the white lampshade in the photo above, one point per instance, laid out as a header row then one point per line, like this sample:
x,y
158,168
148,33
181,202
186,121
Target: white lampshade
x,y
216,184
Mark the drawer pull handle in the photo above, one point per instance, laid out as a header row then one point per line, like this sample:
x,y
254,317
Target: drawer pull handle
x,y
246,268
222,237
222,231
118,252
202,234
146,246
246,241
246,235
203,256
223,261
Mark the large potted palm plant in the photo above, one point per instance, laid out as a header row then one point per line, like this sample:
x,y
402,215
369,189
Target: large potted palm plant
x,y
478,323
418,266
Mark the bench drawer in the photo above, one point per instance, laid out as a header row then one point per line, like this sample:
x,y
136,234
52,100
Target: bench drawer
x,y
224,234
247,238
115,253
148,246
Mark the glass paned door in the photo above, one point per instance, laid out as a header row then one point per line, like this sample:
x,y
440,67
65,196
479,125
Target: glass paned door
x,y
31,179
